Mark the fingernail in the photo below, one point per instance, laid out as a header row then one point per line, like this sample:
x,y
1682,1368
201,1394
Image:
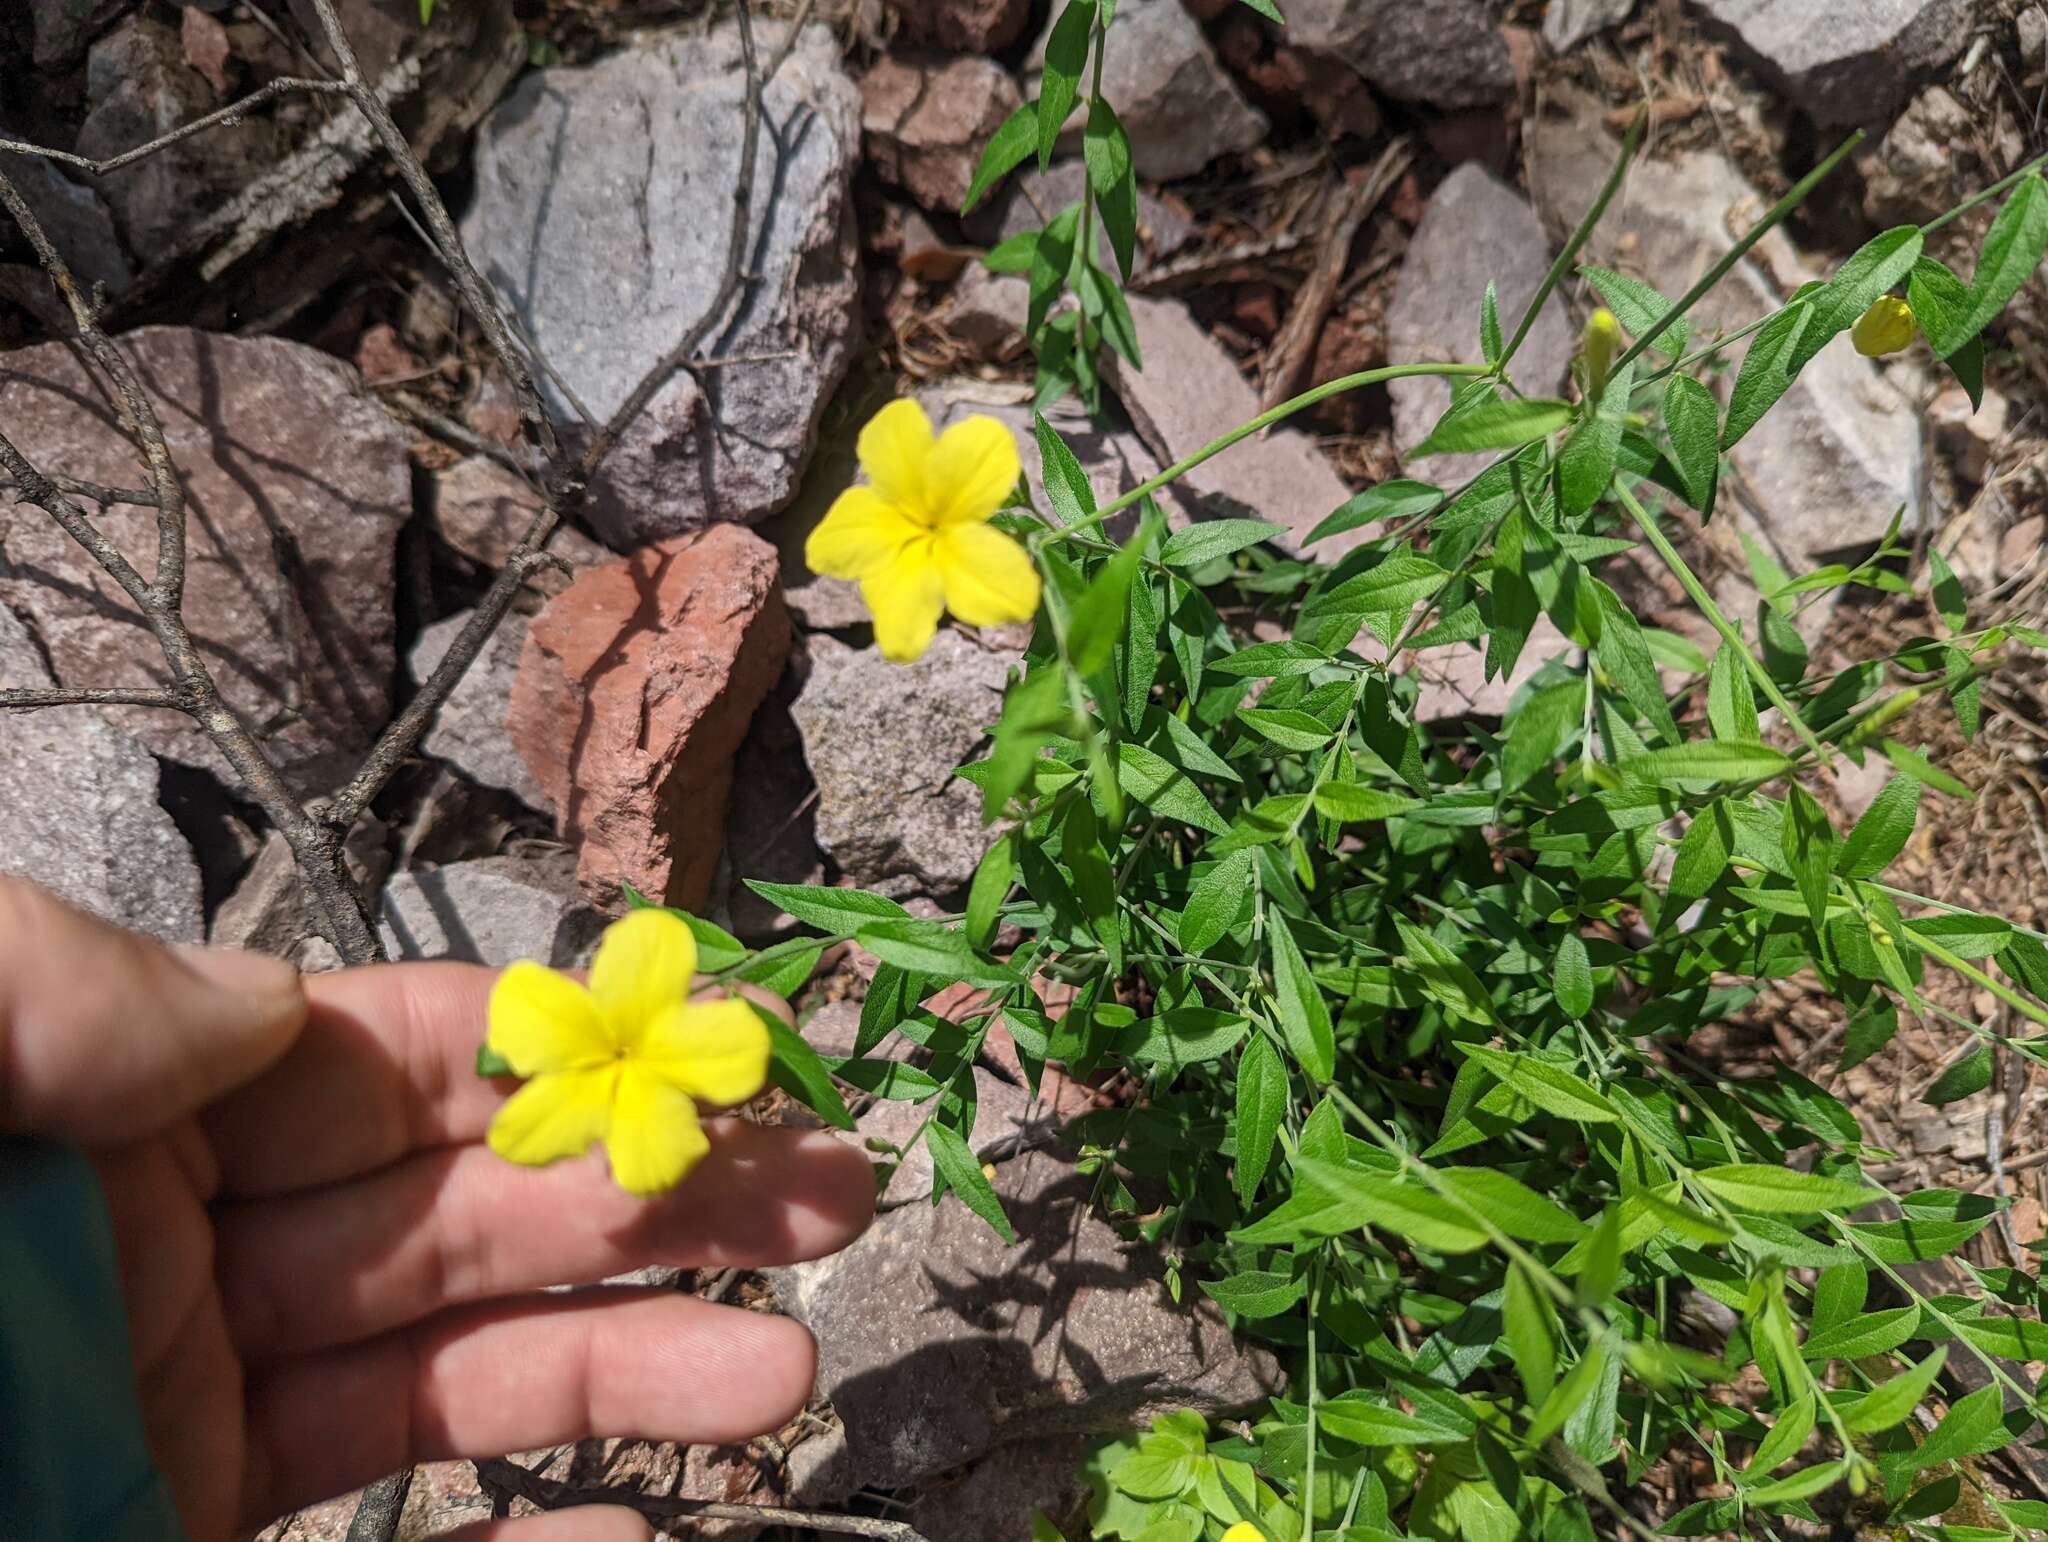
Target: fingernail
x,y
241,972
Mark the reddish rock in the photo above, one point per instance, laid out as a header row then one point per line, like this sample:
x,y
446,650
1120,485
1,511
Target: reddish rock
x,y
964,26
634,694
925,119
295,486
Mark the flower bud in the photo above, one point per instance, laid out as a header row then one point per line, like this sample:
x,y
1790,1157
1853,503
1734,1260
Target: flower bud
x,y
1597,347
1885,328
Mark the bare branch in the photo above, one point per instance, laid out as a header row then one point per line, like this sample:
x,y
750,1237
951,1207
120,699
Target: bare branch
x,y
233,113
550,1495
105,497
138,696
429,419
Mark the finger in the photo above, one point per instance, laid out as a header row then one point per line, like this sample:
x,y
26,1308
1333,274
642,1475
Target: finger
x,y
386,1066
107,1037
514,1377
443,1228
586,1523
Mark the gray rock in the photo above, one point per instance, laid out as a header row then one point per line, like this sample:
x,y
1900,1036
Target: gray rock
x,y
1029,198
270,909
140,87
61,29
998,1496
963,26
1178,104
1843,61
81,816
1444,53
883,740
482,510
495,910
770,828
938,1342
2030,31
72,215
925,119
1188,393
1568,23
295,483
469,732
1453,675
1915,174
1476,230
601,196
1824,470
986,312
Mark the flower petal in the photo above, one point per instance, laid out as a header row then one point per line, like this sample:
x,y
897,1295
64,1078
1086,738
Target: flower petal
x,y
655,1138
862,531
643,967
906,597
1887,327
971,471
554,1116
542,1021
893,449
988,577
714,1050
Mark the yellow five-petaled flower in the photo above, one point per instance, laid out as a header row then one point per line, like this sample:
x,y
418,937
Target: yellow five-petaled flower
x,y
1244,1531
1886,327
624,1060
917,535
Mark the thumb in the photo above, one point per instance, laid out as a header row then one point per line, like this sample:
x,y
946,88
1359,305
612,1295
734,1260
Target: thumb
x,y
106,1037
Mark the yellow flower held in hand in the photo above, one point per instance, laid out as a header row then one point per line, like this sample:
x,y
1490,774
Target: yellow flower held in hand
x,y
917,535
1885,328
624,1060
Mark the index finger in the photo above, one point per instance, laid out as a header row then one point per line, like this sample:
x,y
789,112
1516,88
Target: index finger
x,y
385,1066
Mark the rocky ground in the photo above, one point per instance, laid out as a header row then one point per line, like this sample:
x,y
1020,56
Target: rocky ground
x,y
678,705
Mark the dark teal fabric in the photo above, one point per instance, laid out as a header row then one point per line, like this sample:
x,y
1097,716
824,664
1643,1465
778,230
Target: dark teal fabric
x,y
74,1461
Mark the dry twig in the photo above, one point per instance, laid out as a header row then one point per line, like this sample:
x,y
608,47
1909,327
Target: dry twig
x,y
511,1478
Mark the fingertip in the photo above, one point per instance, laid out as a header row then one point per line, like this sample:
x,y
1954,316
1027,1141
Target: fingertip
x,y
842,1191
582,1523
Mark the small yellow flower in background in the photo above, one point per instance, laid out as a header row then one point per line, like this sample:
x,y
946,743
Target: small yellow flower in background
x,y
917,536
1885,328
1597,348
1244,1531
624,1060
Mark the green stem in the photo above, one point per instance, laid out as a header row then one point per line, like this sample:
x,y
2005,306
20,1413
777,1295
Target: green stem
x,y
1985,196
1735,253
1563,265
1266,419
1697,592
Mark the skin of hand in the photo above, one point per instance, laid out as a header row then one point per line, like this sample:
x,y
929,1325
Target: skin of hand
x,y
328,1276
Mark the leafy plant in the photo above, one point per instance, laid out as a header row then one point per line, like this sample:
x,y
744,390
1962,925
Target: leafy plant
x,y
1407,1010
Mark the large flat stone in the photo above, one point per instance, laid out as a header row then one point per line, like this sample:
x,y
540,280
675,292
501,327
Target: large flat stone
x,y
494,910
602,205
80,814
938,1342
1843,61
295,485
1442,53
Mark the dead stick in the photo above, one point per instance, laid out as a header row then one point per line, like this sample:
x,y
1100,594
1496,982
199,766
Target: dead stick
x,y
550,1495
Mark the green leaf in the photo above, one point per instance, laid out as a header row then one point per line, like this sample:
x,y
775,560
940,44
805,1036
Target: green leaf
x,y
1209,539
1267,9
1531,1335
1363,1423
1275,659
926,947
2012,251
963,1175
1187,1036
1587,459
1261,1105
1107,152
1702,856
1013,255
2010,1338
1784,1190
1407,1210
1256,1292
1566,1397
1052,264
490,1063
1066,56
1975,1424
1706,760
1968,1076
1539,729
1693,419
1217,900
1637,306
1162,787
1097,620
1289,729
1875,1333
1871,1027
1808,844
1349,803
1766,372
795,1067
1551,1088
1512,1205
1881,834
1948,592
1892,1402
1154,1474
1003,153
1873,269
1491,423
1731,698
1304,1015
1572,977
838,911
1784,1440
1067,487
993,876
1394,499
1941,307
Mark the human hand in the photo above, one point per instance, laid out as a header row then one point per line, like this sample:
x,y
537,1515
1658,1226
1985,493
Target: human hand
x,y
328,1277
